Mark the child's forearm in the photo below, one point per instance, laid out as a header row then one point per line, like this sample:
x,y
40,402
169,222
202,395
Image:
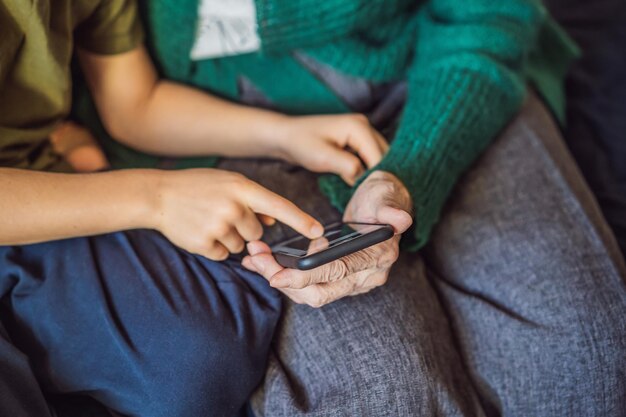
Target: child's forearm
x,y
181,121
209,212
165,118
37,206
161,117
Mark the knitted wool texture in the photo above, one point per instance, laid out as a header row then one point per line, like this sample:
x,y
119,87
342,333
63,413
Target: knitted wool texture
x,y
467,63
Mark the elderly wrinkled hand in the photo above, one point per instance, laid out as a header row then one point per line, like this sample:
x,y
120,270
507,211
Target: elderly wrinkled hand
x,y
382,198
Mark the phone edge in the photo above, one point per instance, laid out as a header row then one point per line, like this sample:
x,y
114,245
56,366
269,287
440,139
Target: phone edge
x,y
355,245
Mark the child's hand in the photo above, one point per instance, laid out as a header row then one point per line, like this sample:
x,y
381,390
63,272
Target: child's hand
x,y
213,212
329,144
78,147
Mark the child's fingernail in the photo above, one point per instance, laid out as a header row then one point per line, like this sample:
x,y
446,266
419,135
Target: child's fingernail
x,y
317,230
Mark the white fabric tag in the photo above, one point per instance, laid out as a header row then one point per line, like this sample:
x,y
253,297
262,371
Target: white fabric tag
x,y
225,27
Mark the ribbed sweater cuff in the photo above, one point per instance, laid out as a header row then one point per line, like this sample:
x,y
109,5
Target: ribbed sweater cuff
x,y
450,119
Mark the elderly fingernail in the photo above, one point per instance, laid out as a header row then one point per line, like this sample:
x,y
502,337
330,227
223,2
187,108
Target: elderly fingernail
x,y
280,282
252,249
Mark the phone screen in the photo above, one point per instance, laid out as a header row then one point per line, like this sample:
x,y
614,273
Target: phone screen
x,y
334,234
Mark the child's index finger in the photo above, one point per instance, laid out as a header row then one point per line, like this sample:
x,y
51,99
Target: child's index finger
x,y
263,201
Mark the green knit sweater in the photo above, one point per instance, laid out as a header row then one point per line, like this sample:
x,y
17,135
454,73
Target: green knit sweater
x,y
467,63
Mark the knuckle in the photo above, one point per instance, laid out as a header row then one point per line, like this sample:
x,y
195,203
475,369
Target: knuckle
x,y
304,280
381,280
219,251
237,177
202,250
256,233
318,298
317,302
389,256
221,229
386,188
359,119
236,211
337,270
308,279
360,260
353,168
239,246
213,253
202,246
324,164
220,255
237,180
392,255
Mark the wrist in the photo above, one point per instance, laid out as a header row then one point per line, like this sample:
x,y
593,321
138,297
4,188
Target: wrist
x,y
145,194
273,135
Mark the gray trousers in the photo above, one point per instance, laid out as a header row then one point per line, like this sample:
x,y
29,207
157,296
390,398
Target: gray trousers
x,y
516,308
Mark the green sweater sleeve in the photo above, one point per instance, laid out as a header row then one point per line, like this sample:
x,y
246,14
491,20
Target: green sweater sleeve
x,y
466,82
288,24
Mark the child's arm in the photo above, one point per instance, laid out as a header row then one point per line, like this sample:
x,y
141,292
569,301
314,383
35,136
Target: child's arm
x,y
162,117
205,211
165,118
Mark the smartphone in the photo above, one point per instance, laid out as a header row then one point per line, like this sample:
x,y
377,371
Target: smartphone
x,y
339,239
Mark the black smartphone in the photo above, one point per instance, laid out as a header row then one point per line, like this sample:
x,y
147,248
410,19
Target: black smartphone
x,y
340,239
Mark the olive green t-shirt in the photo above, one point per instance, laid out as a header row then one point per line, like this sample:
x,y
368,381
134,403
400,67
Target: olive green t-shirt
x,y
37,39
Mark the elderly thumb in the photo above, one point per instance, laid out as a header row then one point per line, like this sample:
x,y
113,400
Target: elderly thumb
x,y
399,219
